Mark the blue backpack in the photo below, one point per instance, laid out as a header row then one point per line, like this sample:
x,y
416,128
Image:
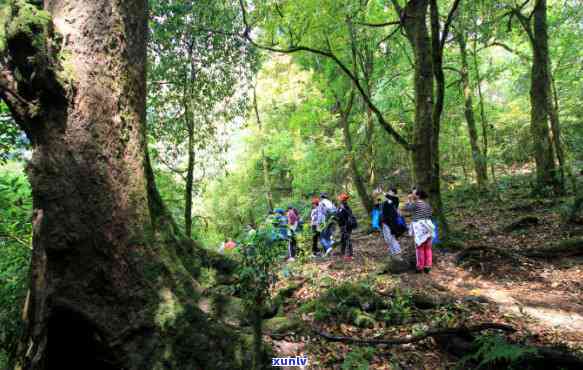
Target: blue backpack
x,y
376,219
436,236
401,222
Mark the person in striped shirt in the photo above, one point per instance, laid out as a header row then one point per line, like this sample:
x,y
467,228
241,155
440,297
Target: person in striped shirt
x,y
422,227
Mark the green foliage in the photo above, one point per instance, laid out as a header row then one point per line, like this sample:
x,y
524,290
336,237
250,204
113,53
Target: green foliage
x,y
258,255
22,17
400,308
494,350
358,358
359,304
199,80
12,141
15,247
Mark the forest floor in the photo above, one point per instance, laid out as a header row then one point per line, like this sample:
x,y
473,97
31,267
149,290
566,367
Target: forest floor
x,y
510,265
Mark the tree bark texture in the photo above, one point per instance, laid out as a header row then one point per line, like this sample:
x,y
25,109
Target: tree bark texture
x,y
556,133
112,282
189,177
540,97
478,157
425,153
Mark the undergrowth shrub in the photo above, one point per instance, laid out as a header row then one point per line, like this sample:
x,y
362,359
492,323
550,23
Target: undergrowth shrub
x,y
15,251
360,304
494,351
358,359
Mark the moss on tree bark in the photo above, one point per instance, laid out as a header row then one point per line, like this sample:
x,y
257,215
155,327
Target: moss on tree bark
x,y
113,283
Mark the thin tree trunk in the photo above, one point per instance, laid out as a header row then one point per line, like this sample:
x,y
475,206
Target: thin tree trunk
x,y
483,119
112,280
477,156
556,132
189,178
189,120
359,182
370,147
266,179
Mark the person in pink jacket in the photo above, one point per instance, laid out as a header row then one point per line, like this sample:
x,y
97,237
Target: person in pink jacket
x,y
292,224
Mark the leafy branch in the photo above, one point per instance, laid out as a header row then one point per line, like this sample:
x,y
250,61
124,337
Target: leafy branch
x,y
328,54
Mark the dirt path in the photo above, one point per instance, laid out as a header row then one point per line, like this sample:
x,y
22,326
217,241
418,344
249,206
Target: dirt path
x,y
545,297
543,301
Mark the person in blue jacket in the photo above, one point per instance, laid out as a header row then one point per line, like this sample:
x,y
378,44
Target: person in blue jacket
x,y
281,223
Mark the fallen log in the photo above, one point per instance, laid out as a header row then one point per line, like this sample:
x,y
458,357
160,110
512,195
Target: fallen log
x,y
413,339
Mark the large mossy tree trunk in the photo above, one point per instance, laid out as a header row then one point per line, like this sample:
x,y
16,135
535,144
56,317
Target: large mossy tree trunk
x,y
541,99
112,283
478,156
425,152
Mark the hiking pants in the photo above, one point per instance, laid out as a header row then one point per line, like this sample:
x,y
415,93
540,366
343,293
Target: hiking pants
x,y
345,241
392,242
424,254
315,238
325,238
292,246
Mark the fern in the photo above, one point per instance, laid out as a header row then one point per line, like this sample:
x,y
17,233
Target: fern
x,y
494,349
358,359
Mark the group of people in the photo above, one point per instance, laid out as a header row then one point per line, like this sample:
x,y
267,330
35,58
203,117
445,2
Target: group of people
x,y
324,212
390,222
421,228
386,218
286,225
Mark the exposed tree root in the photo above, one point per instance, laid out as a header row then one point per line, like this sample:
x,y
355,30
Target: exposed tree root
x,y
464,330
564,248
482,253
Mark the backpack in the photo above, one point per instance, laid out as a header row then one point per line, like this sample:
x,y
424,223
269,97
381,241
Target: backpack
x,y
402,227
401,223
436,234
352,223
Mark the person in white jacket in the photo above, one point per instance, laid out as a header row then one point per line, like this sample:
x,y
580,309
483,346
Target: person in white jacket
x,y
316,220
326,209
422,227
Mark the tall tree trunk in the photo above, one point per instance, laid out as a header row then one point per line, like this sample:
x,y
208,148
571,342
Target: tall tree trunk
x,y
112,280
189,177
425,152
370,147
540,96
483,120
556,131
477,155
359,182
265,164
